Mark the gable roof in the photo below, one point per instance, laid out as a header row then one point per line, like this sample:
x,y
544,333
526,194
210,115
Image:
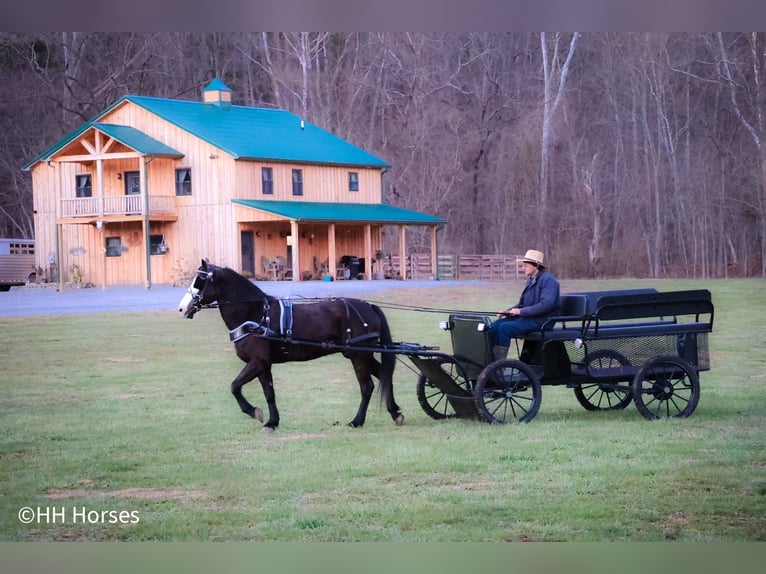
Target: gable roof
x,y
258,133
137,140
341,212
245,133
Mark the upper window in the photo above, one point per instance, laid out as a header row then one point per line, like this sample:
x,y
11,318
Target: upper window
x,y
113,247
297,182
353,181
267,180
183,181
83,185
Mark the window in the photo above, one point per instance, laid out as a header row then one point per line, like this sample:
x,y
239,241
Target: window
x,y
83,185
267,181
353,181
21,248
113,247
297,182
157,245
183,181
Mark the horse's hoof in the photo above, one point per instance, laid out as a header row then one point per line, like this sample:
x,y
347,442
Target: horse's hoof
x,y
399,421
267,430
258,414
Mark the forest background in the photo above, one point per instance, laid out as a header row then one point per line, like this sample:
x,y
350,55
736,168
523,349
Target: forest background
x,y
618,154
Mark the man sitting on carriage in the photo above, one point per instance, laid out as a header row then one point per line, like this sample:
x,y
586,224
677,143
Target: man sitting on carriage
x,y
539,300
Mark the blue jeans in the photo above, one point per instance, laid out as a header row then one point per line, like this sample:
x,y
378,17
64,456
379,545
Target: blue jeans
x,y
503,330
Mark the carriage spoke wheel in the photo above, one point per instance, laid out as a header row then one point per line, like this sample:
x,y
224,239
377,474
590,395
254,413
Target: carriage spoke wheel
x,y
595,396
508,391
432,399
666,387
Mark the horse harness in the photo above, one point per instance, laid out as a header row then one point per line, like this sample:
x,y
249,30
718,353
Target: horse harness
x,y
284,330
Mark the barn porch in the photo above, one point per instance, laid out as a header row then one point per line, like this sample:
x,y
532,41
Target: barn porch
x,y
313,239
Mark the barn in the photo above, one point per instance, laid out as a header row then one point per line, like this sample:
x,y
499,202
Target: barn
x,y
143,191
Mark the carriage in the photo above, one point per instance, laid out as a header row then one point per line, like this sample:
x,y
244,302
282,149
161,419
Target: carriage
x,y
610,347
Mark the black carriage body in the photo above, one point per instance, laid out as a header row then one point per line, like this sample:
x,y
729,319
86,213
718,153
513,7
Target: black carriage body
x,y
609,346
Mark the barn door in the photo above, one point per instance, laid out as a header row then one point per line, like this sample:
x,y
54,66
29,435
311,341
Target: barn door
x,y
248,253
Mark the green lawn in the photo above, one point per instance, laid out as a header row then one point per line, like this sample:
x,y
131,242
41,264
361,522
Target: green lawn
x,y
131,413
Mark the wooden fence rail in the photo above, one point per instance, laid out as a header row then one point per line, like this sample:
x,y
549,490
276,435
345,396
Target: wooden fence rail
x,y
460,267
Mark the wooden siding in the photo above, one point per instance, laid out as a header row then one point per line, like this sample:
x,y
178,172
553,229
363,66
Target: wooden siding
x,y
206,224
320,183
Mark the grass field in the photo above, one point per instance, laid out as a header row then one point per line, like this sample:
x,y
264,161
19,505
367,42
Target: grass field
x,y
121,427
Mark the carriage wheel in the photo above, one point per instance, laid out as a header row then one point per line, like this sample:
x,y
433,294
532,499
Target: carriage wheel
x,y
597,396
434,400
508,390
666,387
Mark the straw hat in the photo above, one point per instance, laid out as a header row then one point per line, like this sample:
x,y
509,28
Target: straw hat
x,y
534,257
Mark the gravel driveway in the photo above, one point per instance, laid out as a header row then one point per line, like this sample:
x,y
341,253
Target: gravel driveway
x,y
47,300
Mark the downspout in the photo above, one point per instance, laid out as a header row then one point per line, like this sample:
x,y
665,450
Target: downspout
x,y
147,234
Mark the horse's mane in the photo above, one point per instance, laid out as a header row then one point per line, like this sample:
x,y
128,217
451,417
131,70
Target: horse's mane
x,y
238,281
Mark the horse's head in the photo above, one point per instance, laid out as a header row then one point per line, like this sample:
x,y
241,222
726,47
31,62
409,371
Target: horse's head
x,y
201,292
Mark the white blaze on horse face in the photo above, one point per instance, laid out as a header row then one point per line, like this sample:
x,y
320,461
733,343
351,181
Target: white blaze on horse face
x,y
186,300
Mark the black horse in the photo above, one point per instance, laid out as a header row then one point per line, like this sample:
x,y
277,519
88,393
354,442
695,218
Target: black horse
x,y
267,330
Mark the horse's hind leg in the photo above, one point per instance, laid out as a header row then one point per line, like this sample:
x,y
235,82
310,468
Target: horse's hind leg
x,y
384,374
366,386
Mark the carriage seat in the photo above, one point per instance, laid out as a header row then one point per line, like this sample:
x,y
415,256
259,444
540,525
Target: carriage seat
x,y
568,324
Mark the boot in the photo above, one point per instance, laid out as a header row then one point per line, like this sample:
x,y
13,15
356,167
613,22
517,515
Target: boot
x,y
499,353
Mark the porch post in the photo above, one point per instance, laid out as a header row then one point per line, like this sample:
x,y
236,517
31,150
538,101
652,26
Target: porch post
x,y
368,251
147,241
434,255
403,251
295,258
59,239
331,255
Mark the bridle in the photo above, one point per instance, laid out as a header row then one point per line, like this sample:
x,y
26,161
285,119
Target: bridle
x,y
198,288
197,292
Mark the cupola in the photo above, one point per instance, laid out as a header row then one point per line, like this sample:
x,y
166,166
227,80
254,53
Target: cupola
x,y
217,93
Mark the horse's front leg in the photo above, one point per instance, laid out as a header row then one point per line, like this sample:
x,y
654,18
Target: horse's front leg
x,y
245,376
267,384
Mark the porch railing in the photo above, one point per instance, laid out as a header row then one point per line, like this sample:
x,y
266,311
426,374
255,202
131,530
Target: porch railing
x,y
116,205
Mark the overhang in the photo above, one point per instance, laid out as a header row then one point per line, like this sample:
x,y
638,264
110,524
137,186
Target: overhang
x,y
130,137
313,211
137,140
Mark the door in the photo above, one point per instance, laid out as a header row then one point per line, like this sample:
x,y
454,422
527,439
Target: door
x,y
133,191
248,253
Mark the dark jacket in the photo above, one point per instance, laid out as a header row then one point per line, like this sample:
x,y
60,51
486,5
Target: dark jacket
x,y
540,298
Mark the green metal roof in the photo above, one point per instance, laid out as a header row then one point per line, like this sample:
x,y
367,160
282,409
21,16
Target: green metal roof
x,y
245,133
258,133
137,140
217,85
341,212
131,137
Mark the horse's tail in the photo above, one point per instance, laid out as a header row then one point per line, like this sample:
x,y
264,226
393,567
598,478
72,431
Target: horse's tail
x,y
387,361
